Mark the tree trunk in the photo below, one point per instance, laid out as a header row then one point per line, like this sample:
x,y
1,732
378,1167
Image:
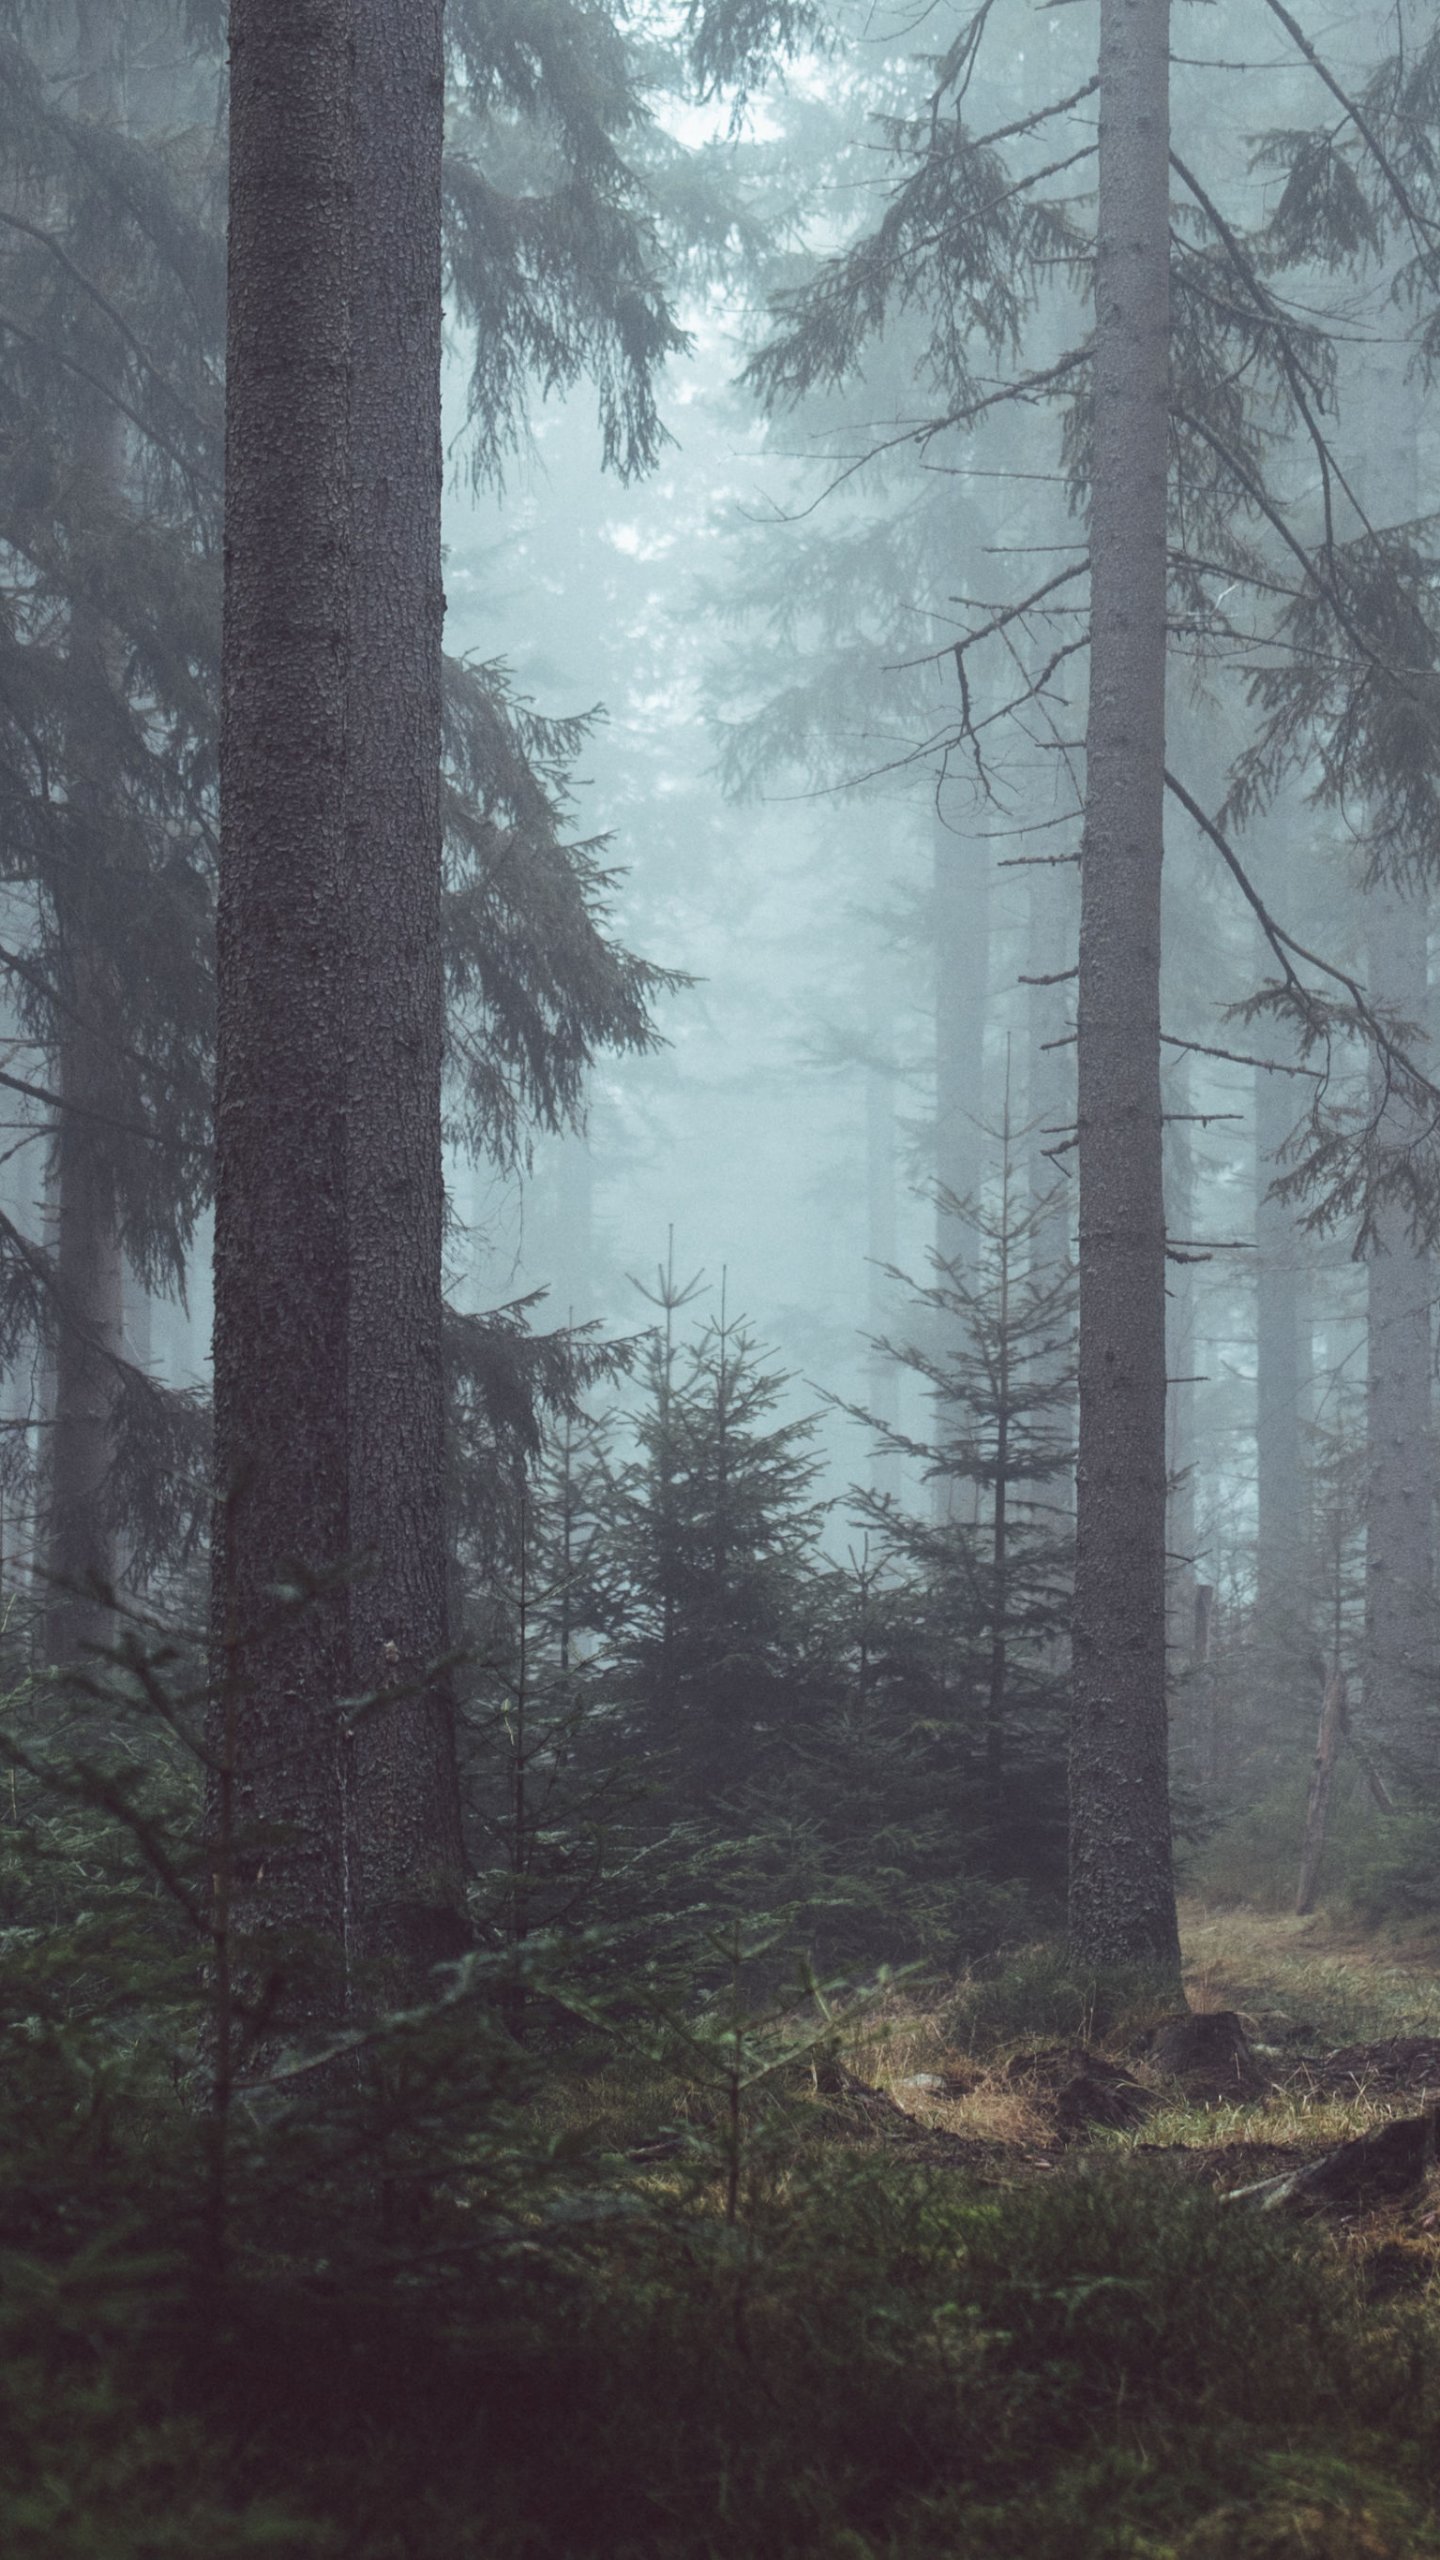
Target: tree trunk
x,y
1122,1896
1400,1652
1181,1361
961,895
882,1391
1282,1359
1322,1775
1399,1574
573,1292
962,950
406,1830
282,1258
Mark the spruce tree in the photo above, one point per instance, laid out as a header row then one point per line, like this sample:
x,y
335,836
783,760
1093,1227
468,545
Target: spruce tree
x,y
981,1610
709,1557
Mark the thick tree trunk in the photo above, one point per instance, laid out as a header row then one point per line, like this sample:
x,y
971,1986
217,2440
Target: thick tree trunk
x,y
406,1828
282,1258
1400,1647
1122,1898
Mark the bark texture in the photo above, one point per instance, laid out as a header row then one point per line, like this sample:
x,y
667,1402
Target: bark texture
x,y
408,1863
281,1218
1122,1900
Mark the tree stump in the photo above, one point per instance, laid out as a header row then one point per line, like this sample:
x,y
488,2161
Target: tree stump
x,y
1375,2169
1209,2054
1098,2093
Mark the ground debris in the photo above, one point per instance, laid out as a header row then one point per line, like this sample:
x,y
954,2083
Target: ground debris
x,y
1375,2169
1397,2063
1084,2089
855,2106
1099,2093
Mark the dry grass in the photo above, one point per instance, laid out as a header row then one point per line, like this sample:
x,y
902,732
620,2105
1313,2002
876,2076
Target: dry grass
x,y
1309,1983
1301,1987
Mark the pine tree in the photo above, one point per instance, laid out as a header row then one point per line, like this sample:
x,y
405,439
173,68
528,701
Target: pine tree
x,y
709,1556
990,1574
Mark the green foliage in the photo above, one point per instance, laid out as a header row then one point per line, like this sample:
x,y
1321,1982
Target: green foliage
x,y
443,2318
709,1561
1253,1854
716,1718
1391,1866
1040,1992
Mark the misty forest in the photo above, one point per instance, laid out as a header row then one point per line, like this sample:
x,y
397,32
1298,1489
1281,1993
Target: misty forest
x,y
719,1231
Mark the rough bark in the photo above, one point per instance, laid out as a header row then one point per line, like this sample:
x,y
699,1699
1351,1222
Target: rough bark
x,y
1399,1552
406,1821
281,1226
1122,1899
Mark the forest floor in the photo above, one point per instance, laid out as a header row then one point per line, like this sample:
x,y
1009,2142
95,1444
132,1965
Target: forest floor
x,y
1157,2345
975,2277
1343,2026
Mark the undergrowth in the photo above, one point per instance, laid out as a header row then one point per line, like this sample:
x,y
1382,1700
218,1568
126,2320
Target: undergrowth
x,y
633,2292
